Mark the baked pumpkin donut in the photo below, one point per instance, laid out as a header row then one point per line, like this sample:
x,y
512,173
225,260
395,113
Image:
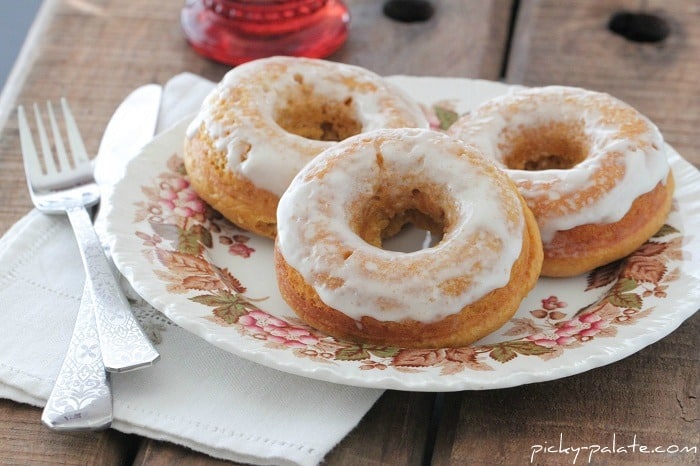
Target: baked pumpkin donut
x,y
333,272
591,168
267,118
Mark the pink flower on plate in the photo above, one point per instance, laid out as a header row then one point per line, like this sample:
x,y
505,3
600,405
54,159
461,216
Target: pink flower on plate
x,y
267,327
176,196
582,328
551,339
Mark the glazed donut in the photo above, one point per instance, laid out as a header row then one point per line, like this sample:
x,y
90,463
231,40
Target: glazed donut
x,y
267,118
591,168
333,272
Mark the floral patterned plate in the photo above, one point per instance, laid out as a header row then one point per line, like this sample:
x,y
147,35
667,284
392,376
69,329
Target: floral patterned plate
x,y
218,282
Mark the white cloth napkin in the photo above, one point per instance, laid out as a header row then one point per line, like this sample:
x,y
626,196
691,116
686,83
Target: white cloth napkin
x,y
197,395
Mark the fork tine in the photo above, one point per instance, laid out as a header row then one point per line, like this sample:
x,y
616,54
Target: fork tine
x,y
63,163
77,146
29,153
46,154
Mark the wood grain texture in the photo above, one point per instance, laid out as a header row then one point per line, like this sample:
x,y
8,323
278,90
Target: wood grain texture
x,y
156,453
653,394
568,42
95,52
463,38
394,432
25,441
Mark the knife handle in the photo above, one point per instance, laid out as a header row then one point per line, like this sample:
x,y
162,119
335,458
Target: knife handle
x,y
81,398
123,343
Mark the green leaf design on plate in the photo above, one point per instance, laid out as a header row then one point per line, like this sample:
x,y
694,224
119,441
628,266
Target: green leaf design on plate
x,y
359,352
626,300
529,348
508,350
446,116
623,285
191,240
352,353
503,353
620,295
383,351
229,307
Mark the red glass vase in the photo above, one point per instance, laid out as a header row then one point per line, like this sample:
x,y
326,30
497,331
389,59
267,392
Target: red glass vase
x,y
237,31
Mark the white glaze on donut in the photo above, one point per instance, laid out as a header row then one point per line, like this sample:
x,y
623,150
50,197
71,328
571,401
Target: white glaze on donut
x,y
626,156
483,228
239,114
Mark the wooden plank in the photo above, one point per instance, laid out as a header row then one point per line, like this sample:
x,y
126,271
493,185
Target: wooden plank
x,y
157,453
463,38
653,394
24,440
95,52
394,432
567,42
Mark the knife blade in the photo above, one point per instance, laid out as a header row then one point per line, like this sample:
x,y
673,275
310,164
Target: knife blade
x,y
132,125
130,128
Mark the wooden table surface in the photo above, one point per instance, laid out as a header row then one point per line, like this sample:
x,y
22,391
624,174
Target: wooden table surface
x,y
95,51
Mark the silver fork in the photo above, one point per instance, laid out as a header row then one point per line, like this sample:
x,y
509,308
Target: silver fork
x,y
70,188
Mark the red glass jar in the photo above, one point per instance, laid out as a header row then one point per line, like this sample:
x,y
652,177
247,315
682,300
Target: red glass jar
x,y
237,31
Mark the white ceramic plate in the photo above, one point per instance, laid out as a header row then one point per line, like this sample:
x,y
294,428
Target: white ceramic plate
x,y
218,282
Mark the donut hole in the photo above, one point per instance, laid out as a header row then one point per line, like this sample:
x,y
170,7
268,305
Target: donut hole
x,y
554,145
317,117
401,220
416,233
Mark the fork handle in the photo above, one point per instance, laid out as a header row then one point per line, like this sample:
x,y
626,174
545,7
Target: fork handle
x,y
123,343
81,398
